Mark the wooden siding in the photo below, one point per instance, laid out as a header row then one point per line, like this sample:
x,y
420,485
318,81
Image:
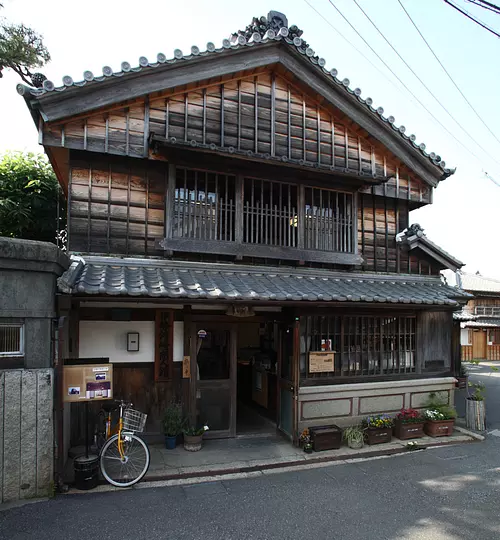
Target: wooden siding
x,y
492,353
116,207
264,114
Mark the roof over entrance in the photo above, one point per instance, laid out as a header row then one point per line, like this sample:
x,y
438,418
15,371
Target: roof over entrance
x,y
267,41
231,282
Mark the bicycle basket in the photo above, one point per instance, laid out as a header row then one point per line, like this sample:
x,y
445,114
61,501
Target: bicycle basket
x,y
134,420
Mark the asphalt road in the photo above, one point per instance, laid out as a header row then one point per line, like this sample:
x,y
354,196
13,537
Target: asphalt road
x,y
444,493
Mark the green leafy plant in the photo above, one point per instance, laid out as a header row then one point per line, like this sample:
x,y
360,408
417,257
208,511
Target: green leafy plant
x,y
32,204
173,421
464,372
478,391
443,412
194,431
353,435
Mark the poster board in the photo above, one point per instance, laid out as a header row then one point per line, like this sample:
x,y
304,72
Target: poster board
x,y
321,361
87,382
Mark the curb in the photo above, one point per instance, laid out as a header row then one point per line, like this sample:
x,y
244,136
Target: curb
x,y
472,434
232,473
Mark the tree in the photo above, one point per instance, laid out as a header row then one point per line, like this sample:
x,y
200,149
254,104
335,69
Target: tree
x,y
22,49
29,198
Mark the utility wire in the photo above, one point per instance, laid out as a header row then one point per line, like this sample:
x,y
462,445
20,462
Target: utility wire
x,y
408,90
421,81
463,12
491,178
486,5
447,73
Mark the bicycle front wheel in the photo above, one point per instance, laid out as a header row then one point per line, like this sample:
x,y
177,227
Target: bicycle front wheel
x,y
127,470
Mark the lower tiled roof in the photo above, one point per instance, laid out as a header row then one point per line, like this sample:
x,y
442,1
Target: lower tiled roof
x,y
483,323
165,279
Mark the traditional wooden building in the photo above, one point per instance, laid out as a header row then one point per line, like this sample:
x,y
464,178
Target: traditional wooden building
x,y
480,318
246,213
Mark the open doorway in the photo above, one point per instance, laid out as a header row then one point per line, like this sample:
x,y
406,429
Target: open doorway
x,y
257,377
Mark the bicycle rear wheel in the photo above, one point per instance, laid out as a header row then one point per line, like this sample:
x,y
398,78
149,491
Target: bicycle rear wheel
x,y
126,471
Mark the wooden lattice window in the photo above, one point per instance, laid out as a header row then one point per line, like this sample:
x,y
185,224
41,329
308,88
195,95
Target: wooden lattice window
x,y
364,346
328,220
204,206
11,340
164,345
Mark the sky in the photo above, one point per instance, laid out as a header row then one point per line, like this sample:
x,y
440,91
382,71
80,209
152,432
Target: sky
x,y
465,216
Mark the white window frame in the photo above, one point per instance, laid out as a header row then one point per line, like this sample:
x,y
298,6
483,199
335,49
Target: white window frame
x,y
19,352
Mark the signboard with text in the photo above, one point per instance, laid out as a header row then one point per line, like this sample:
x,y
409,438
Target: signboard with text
x,y
88,382
321,361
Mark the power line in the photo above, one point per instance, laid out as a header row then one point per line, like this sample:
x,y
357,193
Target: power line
x,y
491,178
477,21
409,91
447,73
421,81
486,5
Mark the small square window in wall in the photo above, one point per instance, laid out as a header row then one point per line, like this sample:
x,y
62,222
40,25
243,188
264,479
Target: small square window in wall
x,y
11,340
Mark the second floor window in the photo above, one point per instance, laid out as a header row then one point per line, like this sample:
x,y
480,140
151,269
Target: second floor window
x,y
493,311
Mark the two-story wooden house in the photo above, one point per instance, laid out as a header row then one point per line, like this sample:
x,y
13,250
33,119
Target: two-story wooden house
x,y
480,318
246,211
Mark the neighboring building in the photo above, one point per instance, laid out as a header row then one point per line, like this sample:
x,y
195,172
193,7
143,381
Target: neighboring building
x,y
238,209
480,318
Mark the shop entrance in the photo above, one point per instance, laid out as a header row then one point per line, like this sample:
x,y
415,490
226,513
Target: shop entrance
x,y
242,377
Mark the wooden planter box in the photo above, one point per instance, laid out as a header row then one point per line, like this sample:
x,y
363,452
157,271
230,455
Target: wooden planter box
x,y
325,437
439,428
461,382
409,431
378,435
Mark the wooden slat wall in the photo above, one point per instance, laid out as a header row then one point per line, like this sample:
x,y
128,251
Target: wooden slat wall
x,y
263,114
116,208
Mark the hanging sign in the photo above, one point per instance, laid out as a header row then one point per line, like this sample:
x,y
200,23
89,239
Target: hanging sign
x,y
321,362
87,382
202,334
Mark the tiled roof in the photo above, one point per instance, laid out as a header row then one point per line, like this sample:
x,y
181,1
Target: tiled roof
x,y
167,279
240,41
485,323
463,316
476,282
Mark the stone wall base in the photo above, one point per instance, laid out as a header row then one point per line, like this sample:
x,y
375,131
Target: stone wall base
x,y
347,404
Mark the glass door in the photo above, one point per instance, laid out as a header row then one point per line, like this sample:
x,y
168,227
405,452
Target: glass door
x,y
286,384
216,378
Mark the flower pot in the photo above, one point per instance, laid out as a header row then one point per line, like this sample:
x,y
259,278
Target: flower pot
x,y
308,449
410,430
355,444
170,442
461,382
192,443
439,428
378,435
475,415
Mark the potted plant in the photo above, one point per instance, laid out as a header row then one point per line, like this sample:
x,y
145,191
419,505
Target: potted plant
x,y
354,436
439,421
409,424
305,440
193,437
378,428
173,422
462,376
475,412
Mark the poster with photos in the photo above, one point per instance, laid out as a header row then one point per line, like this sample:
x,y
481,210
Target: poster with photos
x,y
88,382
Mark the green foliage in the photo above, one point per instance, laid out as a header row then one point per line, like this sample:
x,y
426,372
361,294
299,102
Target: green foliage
x,y
478,391
29,195
442,410
173,421
21,49
354,434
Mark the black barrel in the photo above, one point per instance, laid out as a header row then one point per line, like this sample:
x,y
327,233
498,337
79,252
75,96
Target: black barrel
x,y
86,472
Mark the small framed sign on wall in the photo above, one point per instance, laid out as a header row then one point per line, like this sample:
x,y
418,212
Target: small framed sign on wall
x,y
133,341
321,361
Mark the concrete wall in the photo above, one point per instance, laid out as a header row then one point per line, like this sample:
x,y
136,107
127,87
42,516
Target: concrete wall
x,y
347,404
26,440
28,274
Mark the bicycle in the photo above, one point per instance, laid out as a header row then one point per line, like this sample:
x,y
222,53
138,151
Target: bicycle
x,y
123,458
